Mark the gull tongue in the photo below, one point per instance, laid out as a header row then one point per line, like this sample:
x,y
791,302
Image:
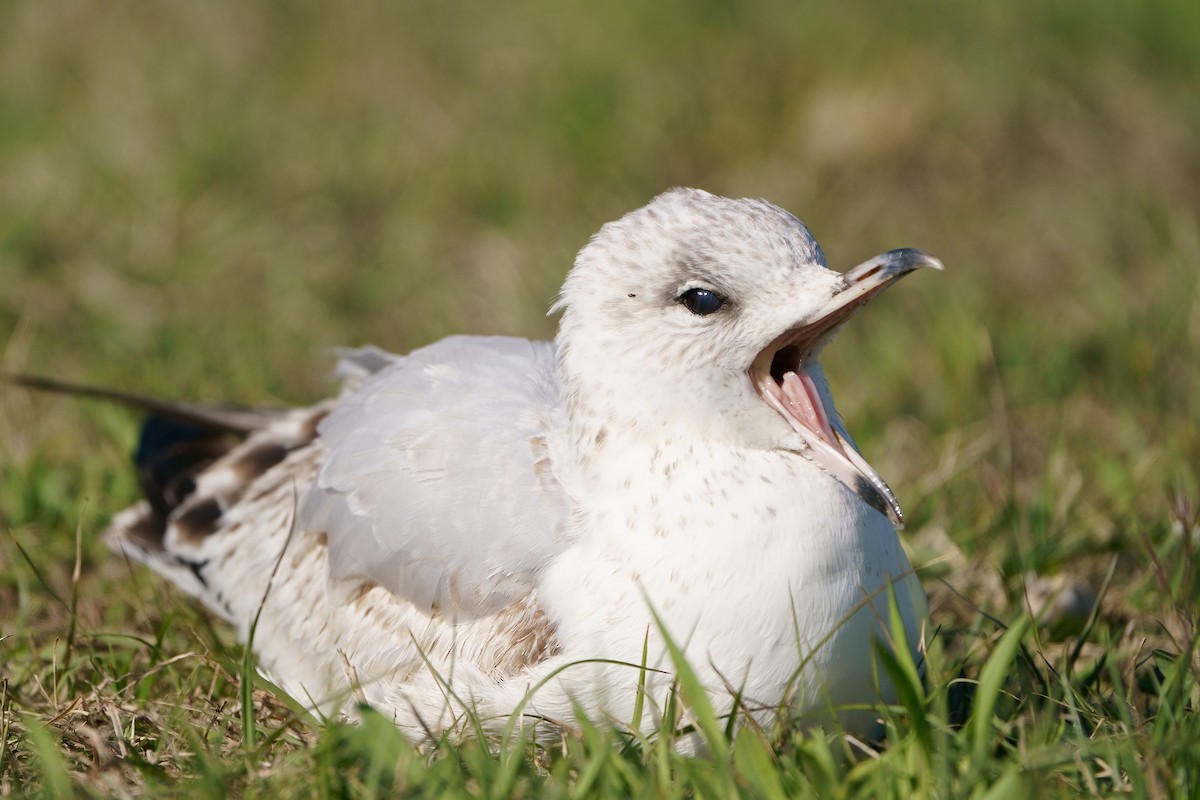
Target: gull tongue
x,y
800,403
804,405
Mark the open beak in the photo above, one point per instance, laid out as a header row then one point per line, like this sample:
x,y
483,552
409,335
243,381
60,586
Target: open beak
x,y
782,375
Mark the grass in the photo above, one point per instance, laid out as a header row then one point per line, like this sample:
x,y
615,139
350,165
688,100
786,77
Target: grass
x,y
197,199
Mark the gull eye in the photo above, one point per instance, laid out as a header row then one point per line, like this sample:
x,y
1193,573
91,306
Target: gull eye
x,y
701,302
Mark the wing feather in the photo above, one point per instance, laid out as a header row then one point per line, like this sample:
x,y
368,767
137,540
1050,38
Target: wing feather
x,y
440,482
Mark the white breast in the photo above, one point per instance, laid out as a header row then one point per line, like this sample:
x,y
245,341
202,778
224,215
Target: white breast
x,y
765,569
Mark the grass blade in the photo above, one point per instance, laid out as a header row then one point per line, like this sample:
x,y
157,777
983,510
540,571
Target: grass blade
x,y
696,700
991,684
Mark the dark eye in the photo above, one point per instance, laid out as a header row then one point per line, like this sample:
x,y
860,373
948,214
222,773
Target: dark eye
x,y
701,302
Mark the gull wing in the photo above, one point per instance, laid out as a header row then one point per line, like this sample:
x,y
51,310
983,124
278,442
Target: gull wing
x,y
441,482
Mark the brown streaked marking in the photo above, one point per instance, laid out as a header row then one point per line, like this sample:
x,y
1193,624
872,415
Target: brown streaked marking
x,y
361,591
308,431
529,637
543,470
198,519
256,460
146,531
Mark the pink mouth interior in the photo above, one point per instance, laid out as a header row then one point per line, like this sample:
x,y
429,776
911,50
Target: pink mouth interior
x,y
803,403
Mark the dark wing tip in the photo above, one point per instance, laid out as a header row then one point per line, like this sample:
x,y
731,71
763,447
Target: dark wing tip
x,y
169,455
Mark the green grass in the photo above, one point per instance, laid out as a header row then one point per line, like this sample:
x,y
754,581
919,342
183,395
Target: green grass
x,y
198,199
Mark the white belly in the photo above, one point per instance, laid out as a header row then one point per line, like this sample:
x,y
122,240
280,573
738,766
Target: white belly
x,y
776,587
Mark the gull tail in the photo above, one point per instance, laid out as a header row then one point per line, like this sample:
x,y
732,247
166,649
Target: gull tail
x,y
222,417
178,439
194,462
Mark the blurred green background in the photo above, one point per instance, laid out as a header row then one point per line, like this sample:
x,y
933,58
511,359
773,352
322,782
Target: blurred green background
x,y
198,199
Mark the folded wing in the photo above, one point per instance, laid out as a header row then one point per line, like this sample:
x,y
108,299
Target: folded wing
x,y
441,482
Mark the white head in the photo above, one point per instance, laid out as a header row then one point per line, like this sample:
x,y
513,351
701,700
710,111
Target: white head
x,y
700,316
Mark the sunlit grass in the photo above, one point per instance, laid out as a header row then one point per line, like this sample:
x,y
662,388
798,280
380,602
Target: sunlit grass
x,y
199,199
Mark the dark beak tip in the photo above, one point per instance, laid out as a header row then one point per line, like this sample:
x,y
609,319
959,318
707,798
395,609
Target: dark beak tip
x,y
908,259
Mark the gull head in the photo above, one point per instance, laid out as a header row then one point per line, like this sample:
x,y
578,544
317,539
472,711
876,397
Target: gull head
x,y
702,317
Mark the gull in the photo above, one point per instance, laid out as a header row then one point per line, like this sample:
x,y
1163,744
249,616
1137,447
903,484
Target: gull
x,y
492,529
